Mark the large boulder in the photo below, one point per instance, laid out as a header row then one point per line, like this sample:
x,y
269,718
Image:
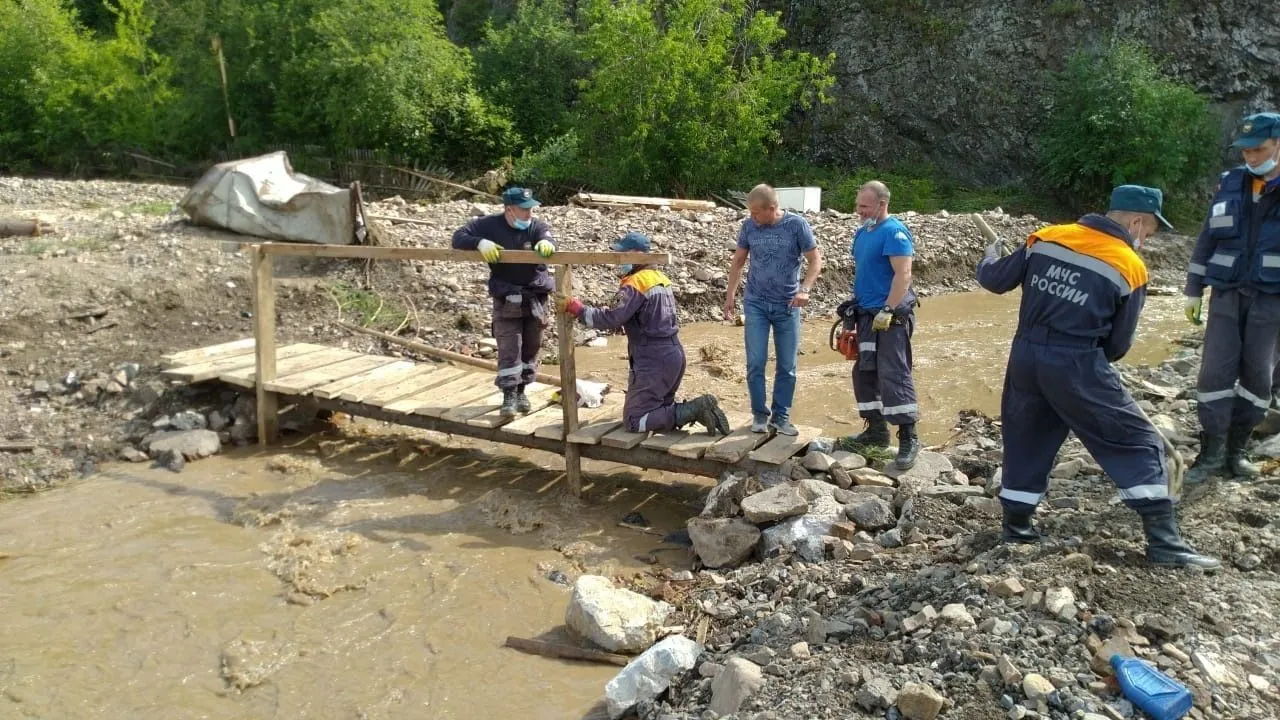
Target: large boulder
x,y
873,514
650,674
614,618
723,542
824,512
929,467
191,444
739,680
726,497
777,503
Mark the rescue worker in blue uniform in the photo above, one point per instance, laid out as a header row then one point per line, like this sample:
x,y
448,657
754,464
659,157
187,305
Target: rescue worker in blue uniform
x,y
1083,287
883,304
519,291
1238,255
646,310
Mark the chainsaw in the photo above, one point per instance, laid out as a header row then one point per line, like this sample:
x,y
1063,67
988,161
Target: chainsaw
x,y
843,337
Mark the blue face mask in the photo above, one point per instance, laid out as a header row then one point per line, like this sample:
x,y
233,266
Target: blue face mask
x,y
1262,169
519,224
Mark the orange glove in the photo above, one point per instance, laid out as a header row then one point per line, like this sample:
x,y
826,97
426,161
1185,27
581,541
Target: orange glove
x,y
574,307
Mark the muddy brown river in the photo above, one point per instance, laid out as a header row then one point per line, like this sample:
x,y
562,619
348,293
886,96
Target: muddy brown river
x,y
366,575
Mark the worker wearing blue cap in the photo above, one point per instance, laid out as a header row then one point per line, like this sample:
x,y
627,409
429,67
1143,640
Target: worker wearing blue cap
x,y
646,310
1083,287
519,291
1238,255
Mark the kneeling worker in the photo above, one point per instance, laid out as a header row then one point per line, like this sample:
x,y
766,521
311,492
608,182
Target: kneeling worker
x,y
646,310
1083,287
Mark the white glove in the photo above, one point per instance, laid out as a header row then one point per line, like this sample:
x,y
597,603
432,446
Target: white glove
x,y
1192,307
489,250
997,249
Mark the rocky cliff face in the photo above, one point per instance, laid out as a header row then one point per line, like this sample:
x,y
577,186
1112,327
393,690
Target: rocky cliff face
x,y
961,85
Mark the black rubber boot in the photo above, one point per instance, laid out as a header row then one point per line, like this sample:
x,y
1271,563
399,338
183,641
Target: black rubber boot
x,y
704,410
1211,461
876,434
1237,462
1165,545
908,447
1019,527
522,401
509,398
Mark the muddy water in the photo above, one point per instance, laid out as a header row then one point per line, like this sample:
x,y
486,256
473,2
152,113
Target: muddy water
x,y
961,345
368,577
377,582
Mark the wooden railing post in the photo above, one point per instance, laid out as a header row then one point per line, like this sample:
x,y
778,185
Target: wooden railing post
x,y
264,338
568,381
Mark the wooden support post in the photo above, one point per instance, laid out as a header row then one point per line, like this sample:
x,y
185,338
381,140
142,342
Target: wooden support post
x,y
264,337
568,381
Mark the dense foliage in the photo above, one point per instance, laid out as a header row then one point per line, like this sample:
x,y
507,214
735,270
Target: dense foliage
x,y
641,96
1115,119
649,95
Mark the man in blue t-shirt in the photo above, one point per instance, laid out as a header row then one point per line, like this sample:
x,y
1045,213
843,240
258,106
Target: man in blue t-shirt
x,y
774,240
883,307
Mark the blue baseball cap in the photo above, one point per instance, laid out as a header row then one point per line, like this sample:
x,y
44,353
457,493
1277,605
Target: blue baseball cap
x,y
632,242
1257,129
520,197
1137,198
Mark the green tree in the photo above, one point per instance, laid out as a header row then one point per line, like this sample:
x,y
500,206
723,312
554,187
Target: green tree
x,y
1116,119
531,66
63,93
381,74
685,94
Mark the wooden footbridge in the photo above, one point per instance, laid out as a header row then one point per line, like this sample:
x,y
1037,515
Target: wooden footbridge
x,y
459,399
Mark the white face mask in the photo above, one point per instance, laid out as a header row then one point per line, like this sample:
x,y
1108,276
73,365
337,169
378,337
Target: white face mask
x,y
1263,169
1137,231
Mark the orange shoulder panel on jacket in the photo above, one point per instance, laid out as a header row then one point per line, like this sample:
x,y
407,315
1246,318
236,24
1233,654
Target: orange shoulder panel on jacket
x,y
645,280
1098,245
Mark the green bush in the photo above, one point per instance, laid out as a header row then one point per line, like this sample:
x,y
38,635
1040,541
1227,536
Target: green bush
x,y
1115,119
685,93
62,92
380,74
531,67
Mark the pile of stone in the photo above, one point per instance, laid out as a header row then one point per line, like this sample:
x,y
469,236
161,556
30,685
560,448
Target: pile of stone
x,y
829,589
701,245
829,504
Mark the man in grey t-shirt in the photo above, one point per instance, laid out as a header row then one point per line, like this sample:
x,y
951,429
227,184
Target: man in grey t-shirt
x,y
774,241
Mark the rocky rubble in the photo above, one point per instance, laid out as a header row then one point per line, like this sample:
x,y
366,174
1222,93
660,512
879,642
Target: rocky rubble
x,y
701,245
123,280
897,600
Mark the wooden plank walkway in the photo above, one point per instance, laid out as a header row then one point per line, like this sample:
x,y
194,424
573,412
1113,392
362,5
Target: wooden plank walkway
x,y
464,401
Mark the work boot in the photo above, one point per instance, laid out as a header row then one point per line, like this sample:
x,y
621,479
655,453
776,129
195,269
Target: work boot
x,y
510,398
1237,463
522,401
876,434
1211,460
704,410
1165,545
908,447
1019,527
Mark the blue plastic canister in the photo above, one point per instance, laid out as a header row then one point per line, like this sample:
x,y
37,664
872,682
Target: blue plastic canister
x,y
1157,694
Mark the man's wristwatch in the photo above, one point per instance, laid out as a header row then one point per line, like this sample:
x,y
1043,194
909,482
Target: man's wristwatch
x,y
887,309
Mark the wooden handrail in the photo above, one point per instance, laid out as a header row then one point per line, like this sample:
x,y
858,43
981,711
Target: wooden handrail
x,y
264,326
516,257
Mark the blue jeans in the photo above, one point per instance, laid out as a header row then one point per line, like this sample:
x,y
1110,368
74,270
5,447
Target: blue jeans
x,y
761,316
